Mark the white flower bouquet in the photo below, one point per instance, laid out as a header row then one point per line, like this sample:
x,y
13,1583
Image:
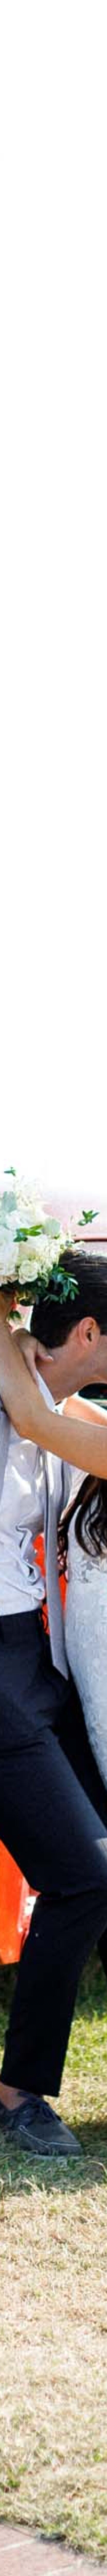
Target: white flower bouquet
x,y
32,1246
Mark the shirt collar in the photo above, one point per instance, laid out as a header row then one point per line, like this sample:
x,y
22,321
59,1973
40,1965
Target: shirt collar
x,y
48,1398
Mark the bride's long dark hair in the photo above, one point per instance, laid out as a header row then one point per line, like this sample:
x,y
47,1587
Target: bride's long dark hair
x,y
90,1513
91,1520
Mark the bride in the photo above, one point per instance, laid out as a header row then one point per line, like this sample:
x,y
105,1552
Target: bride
x,y
86,1608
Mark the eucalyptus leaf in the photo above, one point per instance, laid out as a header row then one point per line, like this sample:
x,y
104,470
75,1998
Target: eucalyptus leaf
x,y
88,1215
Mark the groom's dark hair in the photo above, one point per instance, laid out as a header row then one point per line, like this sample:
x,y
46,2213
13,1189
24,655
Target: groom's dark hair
x,y
77,1288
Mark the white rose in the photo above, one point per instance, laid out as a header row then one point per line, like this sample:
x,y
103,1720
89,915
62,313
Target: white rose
x,y
30,1257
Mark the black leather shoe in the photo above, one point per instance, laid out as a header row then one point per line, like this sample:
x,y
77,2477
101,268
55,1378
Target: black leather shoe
x,y
34,2125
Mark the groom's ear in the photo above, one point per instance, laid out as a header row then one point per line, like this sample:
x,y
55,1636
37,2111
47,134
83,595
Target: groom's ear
x,y
87,1331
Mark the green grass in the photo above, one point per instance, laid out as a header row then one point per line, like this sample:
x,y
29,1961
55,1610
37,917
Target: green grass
x,y
53,2304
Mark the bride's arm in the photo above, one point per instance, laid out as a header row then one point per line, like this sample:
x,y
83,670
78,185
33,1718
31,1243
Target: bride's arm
x,y
79,1434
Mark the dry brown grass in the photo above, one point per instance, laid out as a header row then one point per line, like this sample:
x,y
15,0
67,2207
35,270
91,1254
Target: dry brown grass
x,y
53,2330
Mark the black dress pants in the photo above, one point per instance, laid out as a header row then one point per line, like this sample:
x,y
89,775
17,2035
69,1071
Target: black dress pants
x,y
59,1841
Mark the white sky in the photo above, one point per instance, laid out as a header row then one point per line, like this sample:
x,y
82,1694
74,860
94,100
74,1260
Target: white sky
x,y
53,592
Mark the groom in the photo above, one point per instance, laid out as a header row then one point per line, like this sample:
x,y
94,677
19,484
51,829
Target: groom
x,y
44,1816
